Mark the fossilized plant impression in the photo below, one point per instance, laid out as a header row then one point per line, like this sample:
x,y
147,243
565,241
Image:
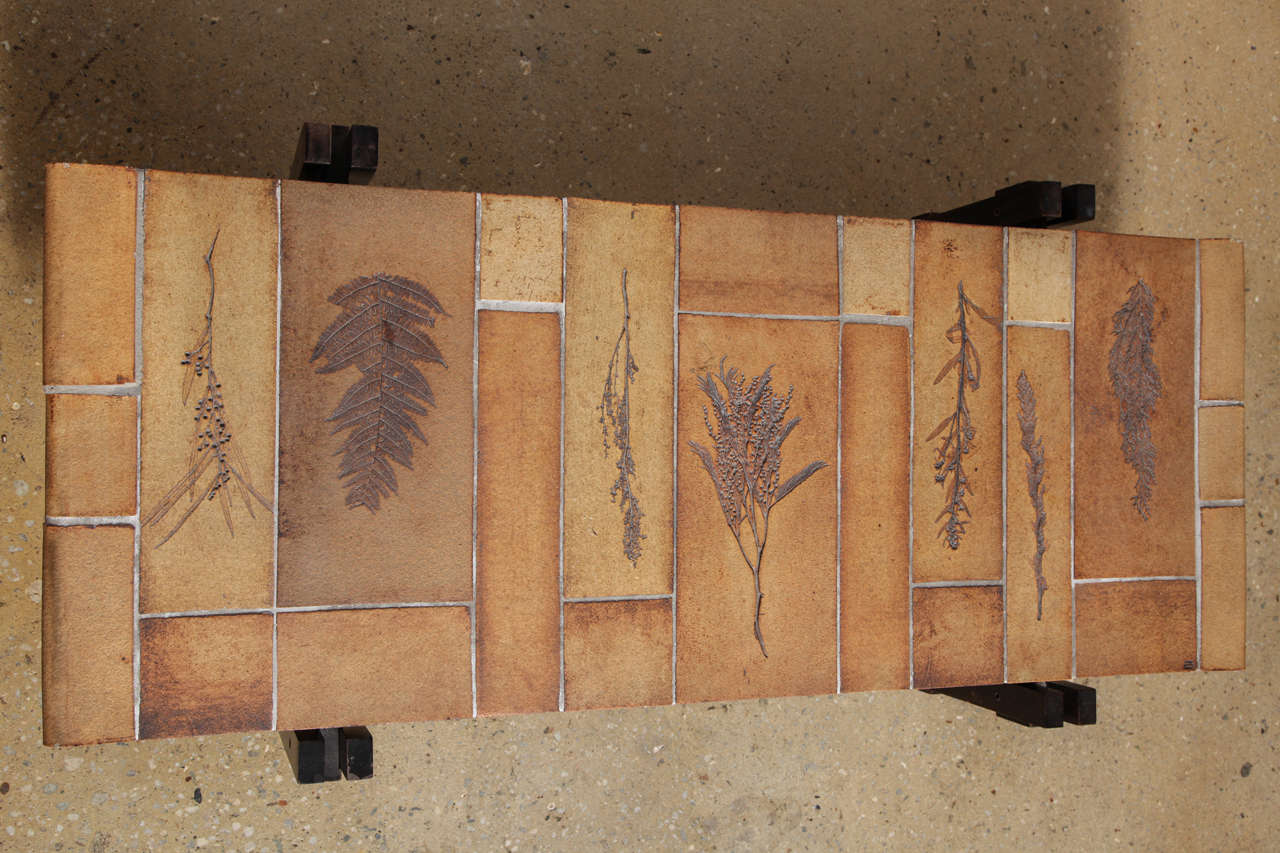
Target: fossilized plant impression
x,y
1135,382
382,331
1034,448
615,422
212,448
745,460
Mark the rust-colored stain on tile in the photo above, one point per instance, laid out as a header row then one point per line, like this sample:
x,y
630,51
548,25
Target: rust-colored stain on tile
x,y
518,514
1221,320
1224,587
875,529
876,266
91,455
1040,262
617,654
203,675
959,636
746,261
1126,628
1222,453
390,664
521,248
1135,494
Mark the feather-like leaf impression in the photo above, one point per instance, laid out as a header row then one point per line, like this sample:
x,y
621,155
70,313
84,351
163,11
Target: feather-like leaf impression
x,y
1135,382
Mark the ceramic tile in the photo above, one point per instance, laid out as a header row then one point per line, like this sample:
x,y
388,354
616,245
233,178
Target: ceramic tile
x,y
1113,537
617,654
1038,505
90,226
755,262
87,653
423,245
1222,453
1040,275
206,507
948,256
719,656
391,664
203,675
1224,587
91,455
959,636
875,528
1134,627
521,248
1221,320
876,266
600,538
518,514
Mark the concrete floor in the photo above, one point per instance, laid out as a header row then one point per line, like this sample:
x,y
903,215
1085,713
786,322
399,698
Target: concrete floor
x,y
1171,108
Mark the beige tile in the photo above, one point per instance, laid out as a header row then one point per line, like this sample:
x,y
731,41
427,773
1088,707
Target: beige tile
x,y
521,248
1040,275
877,266
617,654
1224,587
1221,320
91,455
1126,628
1222,453
959,636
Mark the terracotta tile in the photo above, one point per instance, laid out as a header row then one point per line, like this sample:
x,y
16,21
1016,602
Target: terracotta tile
x,y
1040,275
959,636
90,226
1127,628
1112,537
875,529
204,675
947,255
208,564
91,455
1221,320
877,266
1222,453
604,239
331,553
617,654
1039,626
718,654
386,665
756,262
87,652
1223,579
521,248
518,514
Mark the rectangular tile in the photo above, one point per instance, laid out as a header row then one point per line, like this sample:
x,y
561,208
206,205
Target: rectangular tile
x,y
404,281
757,262
618,388
87,652
1127,628
518,514
1135,321
521,248
958,635
1040,263
1224,588
617,654
956,482
719,654
387,665
875,527
205,675
209,394
876,266
1222,453
91,455
1038,505
1221,320
90,226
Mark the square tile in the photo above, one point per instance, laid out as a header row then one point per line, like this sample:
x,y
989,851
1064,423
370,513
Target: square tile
x,y
959,636
617,654
1040,262
1132,627
1222,453
521,248
91,455
876,270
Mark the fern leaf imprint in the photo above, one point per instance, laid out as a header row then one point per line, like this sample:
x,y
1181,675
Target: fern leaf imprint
x,y
1135,382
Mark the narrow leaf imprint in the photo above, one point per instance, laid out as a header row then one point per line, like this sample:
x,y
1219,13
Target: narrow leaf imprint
x,y
1034,448
1135,382
615,423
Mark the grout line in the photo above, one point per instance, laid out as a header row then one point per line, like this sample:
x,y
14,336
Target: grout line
x,y
675,447
475,458
305,608
1195,425
564,286
943,584
139,268
516,305
603,599
1071,456
275,504
124,389
1029,324
92,520
911,461
1213,404
873,319
1004,447
839,439
828,317
1221,503
1080,581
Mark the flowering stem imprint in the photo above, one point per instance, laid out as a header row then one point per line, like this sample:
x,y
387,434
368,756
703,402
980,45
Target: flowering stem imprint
x,y
1034,448
615,422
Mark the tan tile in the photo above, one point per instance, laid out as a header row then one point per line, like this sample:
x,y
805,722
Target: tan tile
x,y
719,656
877,266
875,528
518,514
1038,529
1040,275
90,221
208,564
331,553
617,654
959,636
521,248
1221,320
203,675
1223,580
1112,537
1222,453
756,262
91,455
386,665
1126,628
87,666
947,255
604,239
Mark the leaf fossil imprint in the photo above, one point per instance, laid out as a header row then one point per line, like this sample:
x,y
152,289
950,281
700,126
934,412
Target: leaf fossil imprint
x,y
382,331
615,422
1034,448
1135,382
